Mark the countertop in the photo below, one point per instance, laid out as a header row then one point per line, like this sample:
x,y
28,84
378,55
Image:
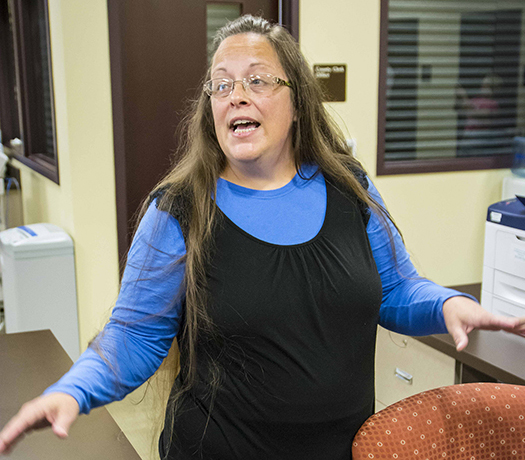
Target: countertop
x,y
29,363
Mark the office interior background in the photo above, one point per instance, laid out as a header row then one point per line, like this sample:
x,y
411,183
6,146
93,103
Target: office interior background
x,y
441,212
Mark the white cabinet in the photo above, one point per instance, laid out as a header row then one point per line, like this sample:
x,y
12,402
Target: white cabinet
x,y
405,366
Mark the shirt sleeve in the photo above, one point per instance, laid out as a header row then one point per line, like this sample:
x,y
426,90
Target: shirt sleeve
x,y
411,305
143,323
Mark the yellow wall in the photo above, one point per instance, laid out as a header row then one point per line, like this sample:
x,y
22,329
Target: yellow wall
x,y
442,215
84,202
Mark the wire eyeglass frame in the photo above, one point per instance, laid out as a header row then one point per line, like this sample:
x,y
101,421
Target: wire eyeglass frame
x,y
271,82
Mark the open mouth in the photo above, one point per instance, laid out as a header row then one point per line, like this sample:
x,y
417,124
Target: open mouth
x,y
244,126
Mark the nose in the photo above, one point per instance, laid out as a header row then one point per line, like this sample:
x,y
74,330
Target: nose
x,y
239,95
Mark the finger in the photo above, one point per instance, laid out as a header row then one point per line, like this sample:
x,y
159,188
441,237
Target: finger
x,y
521,323
507,323
8,448
25,420
3,447
520,330
6,445
489,321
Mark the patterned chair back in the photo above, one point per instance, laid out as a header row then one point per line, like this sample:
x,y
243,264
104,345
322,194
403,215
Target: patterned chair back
x,y
472,421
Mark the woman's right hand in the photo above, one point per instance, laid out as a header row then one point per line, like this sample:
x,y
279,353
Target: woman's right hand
x,y
58,410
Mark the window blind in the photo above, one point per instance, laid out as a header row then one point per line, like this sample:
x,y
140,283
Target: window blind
x,y
454,78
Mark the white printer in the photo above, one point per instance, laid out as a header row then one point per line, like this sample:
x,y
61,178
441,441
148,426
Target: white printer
x,y
503,288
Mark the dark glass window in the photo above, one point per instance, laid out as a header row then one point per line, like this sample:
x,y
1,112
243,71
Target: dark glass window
x,y
452,95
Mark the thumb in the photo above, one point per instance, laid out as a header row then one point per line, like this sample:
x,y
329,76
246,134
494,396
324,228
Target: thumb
x,y
460,338
62,424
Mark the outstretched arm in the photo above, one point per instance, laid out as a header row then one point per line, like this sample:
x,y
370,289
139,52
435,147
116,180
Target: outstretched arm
x,y
416,306
143,323
132,345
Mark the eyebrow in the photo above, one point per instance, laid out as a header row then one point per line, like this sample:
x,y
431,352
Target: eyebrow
x,y
253,64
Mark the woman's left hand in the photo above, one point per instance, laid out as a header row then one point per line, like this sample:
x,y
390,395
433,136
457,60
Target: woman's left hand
x,y
462,315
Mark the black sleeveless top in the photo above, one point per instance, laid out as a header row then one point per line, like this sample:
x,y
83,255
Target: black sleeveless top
x,y
296,341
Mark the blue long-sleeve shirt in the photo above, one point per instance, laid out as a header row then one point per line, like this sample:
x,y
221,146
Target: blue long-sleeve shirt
x,y
146,317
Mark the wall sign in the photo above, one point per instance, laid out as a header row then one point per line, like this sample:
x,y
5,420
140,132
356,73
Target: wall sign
x,y
332,78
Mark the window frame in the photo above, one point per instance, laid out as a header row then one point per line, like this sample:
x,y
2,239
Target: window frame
x,y
391,167
23,61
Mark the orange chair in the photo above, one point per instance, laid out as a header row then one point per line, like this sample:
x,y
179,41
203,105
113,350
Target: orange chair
x,y
472,421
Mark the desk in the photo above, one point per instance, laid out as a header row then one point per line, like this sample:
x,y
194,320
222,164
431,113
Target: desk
x,y
29,363
495,353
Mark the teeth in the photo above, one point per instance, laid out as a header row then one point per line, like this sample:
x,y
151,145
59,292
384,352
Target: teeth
x,y
242,122
243,129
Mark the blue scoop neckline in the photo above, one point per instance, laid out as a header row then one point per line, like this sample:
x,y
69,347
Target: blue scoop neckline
x,y
298,181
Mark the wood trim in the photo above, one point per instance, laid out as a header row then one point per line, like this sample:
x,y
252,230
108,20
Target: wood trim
x,y
117,100
383,57
438,165
41,165
54,160
290,17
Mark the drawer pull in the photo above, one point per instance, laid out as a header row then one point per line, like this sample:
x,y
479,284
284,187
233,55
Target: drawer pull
x,y
404,376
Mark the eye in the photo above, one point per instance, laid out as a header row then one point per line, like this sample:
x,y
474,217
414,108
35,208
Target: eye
x,y
222,86
257,82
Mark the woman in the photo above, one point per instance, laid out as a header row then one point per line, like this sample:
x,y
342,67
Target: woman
x,y
269,250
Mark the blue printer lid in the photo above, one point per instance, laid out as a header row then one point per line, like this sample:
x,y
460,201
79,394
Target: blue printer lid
x,y
510,213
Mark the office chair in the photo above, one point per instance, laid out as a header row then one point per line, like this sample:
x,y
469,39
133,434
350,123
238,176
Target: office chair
x,y
472,421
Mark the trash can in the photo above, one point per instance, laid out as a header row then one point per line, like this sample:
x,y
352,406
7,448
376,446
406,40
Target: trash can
x,y
38,279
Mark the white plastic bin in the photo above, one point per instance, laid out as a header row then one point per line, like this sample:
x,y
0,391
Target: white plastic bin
x,y
38,277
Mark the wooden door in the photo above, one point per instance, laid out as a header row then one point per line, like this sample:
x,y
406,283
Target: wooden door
x,y
158,51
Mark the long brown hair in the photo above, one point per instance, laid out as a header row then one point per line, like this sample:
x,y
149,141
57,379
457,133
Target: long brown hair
x,y
200,161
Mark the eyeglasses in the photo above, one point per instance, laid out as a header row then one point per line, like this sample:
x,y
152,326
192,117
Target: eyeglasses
x,y
258,84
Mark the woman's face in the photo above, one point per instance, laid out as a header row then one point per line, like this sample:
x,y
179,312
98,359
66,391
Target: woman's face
x,y
266,141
